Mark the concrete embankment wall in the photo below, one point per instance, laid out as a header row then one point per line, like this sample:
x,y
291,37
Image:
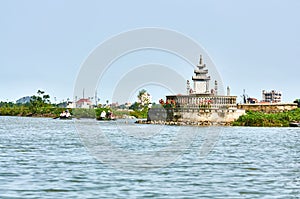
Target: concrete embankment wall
x,y
217,116
268,108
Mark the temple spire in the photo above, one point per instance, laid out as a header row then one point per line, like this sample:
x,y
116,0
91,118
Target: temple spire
x,y
201,79
200,61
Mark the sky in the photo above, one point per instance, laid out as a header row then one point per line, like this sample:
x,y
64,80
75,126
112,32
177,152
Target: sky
x,y
255,45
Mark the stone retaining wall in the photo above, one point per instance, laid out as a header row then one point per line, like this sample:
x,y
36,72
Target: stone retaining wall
x,y
194,116
186,123
210,115
268,108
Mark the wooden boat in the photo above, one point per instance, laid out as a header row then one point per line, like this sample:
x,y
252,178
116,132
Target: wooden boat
x,y
105,119
295,124
65,117
106,116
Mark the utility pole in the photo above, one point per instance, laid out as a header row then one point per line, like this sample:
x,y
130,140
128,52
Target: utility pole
x,y
96,99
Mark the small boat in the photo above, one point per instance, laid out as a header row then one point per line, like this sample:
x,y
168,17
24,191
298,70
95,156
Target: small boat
x,y
65,115
295,124
106,116
105,119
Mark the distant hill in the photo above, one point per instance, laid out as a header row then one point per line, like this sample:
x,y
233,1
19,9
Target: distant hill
x,y
23,100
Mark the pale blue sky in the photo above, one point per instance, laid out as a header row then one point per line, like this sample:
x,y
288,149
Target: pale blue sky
x,y
254,44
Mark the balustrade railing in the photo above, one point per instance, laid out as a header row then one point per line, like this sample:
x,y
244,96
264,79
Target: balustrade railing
x,y
211,102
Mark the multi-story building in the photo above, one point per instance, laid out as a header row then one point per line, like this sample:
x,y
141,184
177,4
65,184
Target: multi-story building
x,y
271,96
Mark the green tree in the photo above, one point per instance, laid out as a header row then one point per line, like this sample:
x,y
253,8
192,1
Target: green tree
x,y
39,101
297,101
141,92
142,106
134,106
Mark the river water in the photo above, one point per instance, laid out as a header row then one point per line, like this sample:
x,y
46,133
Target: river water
x,y
46,158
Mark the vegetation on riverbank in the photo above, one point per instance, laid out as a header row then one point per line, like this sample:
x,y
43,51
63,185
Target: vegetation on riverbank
x,y
17,110
141,107
39,106
268,120
141,114
52,111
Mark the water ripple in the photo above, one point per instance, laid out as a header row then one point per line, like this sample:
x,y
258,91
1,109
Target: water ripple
x,y
44,158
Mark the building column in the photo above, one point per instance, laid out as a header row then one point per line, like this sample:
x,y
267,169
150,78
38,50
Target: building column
x,y
207,86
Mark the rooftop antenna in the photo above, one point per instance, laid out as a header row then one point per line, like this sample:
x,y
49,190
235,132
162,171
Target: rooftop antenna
x,y
244,96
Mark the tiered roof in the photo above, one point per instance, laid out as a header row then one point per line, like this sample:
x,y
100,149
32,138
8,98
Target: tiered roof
x,y
200,72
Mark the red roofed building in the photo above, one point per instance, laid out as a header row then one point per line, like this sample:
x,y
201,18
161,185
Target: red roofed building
x,y
84,103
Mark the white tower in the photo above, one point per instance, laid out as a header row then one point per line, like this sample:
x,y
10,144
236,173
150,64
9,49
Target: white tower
x,y
201,80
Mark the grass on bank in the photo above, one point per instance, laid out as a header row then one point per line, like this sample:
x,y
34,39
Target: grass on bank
x,y
50,111
27,111
268,120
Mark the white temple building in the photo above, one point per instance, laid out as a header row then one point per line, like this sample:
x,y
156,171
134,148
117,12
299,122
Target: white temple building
x,y
200,104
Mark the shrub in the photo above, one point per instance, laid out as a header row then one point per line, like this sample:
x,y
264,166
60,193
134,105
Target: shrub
x,y
268,120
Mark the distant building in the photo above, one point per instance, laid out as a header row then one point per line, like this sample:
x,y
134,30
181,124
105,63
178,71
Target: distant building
x,y
251,100
128,104
114,105
271,96
71,104
84,103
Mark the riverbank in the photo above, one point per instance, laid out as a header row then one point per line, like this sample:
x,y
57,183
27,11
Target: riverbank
x,y
24,111
48,112
260,119
251,118
54,112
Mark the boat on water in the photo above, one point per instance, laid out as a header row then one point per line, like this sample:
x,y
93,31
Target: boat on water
x,y
105,119
295,124
66,115
106,116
